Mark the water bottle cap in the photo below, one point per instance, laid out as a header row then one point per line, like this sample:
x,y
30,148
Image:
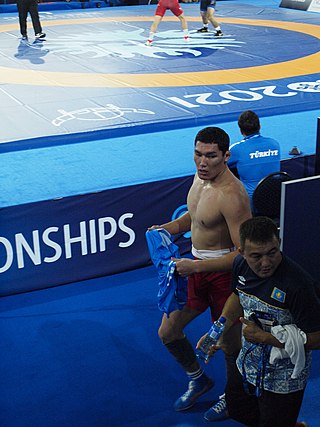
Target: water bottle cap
x,y
222,319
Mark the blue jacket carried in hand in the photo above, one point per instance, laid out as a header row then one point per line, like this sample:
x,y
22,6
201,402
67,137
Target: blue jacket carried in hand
x,y
172,293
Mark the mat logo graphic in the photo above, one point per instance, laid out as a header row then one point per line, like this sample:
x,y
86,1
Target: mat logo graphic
x,y
306,86
241,95
129,44
91,237
109,112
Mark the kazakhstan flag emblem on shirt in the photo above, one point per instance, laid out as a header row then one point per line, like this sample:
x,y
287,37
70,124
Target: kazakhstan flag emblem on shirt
x,y
278,295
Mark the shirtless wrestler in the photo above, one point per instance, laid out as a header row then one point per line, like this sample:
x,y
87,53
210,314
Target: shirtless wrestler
x,y
217,205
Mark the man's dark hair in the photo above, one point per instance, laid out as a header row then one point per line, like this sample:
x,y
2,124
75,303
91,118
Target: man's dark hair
x,y
249,123
214,135
259,229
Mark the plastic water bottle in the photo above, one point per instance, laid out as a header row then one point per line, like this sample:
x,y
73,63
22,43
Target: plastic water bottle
x,y
212,338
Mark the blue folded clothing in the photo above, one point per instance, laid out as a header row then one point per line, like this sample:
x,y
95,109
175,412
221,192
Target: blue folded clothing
x,y
172,293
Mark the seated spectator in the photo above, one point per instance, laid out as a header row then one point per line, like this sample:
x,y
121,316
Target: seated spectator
x,y
255,156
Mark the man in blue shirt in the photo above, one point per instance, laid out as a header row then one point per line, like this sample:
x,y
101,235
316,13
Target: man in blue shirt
x,y
254,156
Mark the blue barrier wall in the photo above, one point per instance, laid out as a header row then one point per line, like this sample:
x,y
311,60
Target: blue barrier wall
x,y
300,222
75,238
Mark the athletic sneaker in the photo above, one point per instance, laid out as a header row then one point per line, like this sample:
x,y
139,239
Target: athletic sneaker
x,y
196,388
41,36
218,33
148,42
301,424
203,30
24,38
218,411
186,39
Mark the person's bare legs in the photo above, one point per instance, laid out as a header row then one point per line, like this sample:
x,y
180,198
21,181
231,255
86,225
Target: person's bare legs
x,y
184,26
155,24
204,18
183,22
207,17
211,18
156,21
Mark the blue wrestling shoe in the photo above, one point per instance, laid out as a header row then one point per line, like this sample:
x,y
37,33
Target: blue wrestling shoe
x,y
196,388
218,411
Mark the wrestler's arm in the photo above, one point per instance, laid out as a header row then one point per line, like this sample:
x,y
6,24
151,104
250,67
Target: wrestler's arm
x,y
223,263
179,225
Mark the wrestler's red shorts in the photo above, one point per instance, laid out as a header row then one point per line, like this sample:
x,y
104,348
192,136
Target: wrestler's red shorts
x,y
209,290
172,5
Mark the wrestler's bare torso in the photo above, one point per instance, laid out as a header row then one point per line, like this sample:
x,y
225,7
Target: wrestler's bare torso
x,y
217,208
217,205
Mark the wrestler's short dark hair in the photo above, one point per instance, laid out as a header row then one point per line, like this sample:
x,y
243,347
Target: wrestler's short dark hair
x,y
259,229
214,135
249,122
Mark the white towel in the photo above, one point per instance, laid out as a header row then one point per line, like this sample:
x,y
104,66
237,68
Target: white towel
x,y
294,340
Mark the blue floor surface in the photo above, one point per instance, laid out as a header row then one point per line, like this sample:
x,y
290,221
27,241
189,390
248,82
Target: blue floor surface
x,y
88,355
119,162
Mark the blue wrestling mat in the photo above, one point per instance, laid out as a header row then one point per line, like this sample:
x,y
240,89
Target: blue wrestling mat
x,y
95,78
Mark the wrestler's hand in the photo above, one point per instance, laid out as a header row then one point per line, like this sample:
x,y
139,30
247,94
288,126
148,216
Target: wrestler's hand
x,y
213,349
154,227
251,331
184,266
169,226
